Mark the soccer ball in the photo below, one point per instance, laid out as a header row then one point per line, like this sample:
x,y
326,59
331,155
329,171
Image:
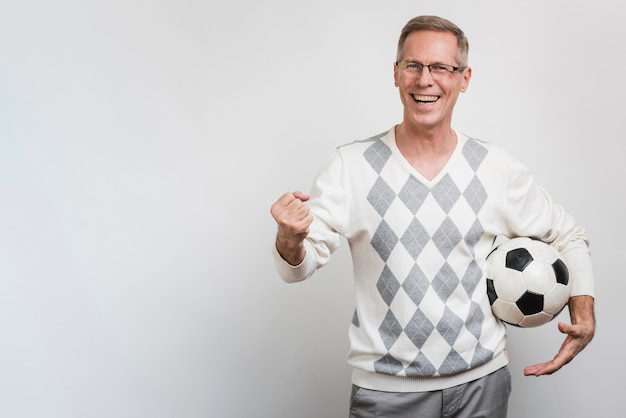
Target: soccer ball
x,y
527,282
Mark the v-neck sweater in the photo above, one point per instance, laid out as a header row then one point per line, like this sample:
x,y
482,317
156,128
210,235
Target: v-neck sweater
x,y
422,318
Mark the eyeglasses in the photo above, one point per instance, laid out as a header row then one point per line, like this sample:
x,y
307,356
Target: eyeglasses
x,y
435,70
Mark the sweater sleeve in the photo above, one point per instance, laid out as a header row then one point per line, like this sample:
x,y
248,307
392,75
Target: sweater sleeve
x,y
532,212
328,205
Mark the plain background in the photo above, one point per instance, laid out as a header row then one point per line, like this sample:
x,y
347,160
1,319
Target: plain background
x,y
143,142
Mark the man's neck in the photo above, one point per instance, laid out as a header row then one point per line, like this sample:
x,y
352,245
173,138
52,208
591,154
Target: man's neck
x,y
427,151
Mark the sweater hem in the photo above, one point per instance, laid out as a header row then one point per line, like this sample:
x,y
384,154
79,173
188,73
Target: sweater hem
x,y
389,383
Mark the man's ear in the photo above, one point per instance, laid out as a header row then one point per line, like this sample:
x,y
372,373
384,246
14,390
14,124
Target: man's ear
x,y
467,75
395,75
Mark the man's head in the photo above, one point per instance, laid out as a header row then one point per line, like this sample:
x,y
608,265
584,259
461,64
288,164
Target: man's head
x,y
431,71
437,24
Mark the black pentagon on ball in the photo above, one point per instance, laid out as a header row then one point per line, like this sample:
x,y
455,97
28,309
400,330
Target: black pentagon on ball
x,y
518,259
491,291
530,303
561,272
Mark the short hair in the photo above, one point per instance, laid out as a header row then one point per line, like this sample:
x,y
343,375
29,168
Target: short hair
x,y
438,24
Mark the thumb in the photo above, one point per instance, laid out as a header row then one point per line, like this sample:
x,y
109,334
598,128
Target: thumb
x,y
564,328
301,196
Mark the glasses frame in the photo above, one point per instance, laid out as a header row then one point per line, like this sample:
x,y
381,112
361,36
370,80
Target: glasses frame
x,y
449,69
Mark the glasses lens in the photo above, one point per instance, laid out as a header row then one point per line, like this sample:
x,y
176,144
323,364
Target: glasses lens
x,y
435,70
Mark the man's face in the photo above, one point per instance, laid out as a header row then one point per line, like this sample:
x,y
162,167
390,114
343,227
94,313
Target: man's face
x,y
429,99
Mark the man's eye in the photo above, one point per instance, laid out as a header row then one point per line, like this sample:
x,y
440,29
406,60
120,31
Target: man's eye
x,y
438,68
412,66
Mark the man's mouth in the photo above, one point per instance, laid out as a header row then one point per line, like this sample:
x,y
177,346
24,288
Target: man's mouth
x,y
425,99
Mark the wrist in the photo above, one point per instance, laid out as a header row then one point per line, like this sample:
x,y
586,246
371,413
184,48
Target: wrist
x,y
293,252
581,309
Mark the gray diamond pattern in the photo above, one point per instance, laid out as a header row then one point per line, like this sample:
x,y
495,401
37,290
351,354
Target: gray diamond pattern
x,y
445,282
415,238
388,365
416,284
390,329
421,366
377,155
437,202
474,153
481,355
419,329
473,235
449,326
447,237
471,277
474,320
452,363
475,194
446,193
384,240
387,285
355,320
413,194
381,196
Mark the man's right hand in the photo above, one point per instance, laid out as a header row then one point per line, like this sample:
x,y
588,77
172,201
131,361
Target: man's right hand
x,y
293,219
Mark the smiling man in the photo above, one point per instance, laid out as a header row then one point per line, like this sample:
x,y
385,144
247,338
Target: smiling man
x,y
429,93
421,206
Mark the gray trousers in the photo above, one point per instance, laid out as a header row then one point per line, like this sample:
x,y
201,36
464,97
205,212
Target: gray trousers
x,y
487,397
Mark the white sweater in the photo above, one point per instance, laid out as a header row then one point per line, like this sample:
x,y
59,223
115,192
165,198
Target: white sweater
x,y
422,318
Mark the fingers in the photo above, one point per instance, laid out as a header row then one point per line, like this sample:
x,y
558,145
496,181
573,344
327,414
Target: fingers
x,y
549,367
292,215
538,370
288,201
293,219
576,340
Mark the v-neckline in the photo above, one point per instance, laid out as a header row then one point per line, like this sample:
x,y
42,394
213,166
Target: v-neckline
x,y
413,171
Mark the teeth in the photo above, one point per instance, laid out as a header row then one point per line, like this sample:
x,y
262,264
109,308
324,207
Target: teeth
x,y
426,99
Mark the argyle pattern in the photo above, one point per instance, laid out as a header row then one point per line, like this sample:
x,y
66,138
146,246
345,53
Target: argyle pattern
x,y
425,238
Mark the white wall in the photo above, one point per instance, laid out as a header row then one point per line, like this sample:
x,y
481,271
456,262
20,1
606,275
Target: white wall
x,y
143,142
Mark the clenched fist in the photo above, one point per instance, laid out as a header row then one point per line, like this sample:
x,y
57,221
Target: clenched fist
x,y
293,219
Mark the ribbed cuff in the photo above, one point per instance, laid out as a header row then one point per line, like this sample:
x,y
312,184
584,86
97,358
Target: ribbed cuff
x,y
297,273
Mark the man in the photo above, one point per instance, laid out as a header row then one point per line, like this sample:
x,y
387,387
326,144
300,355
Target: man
x,y
421,206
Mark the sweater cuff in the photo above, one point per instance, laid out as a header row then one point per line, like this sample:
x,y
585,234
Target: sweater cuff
x,y
302,271
582,284
581,275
